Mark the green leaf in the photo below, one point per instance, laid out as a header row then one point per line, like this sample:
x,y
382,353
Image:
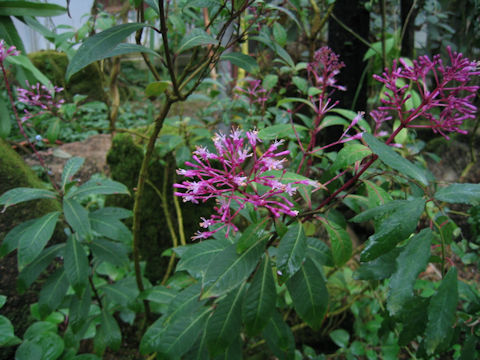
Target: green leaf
x,y
260,299
228,269
5,120
79,310
109,334
280,131
225,321
195,38
160,296
291,251
251,235
27,8
10,241
109,251
157,88
70,169
3,300
300,83
376,195
99,186
113,212
340,241
340,337
22,194
243,61
24,62
99,46
279,337
34,239
53,292
279,34
319,252
309,294
180,336
294,99
110,227
7,334
123,292
124,48
53,130
197,257
28,351
381,268
77,217
394,228
395,161
414,320
76,265
154,5
270,81
459,194
186,302
442,311
32,271
51,344
410,263
349,155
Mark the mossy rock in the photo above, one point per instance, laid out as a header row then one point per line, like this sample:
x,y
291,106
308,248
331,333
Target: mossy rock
x,y
88,81
15,173
124,159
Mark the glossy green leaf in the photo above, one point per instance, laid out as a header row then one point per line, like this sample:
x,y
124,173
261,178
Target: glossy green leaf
x,y
53,130
228,269
32,271
109,334
79,310
7,334
340,337
77,217
109,251
9,33
394,228
459,194
28,8
157,88
340,241
160,297
28,350
53,292
186,302
76,265
99,186
291,251
279,337
294,99
251,235
225,321
99,46
116,213
197,257
381,268
243,61
182,334
394,160
376,195
5,120
22,194
124,292
280,131
442,311
70,169
319,252
349,155
110,227
412,260
260,299
34,239
279,34
10,241
154,5
24,62
309,294
124,48
195,38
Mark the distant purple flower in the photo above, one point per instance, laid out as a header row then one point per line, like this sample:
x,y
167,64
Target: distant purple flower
x,y
39,96
234,175
4,52
255,92
446,97
324,67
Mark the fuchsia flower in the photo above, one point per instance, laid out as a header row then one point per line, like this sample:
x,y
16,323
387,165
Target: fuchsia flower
x,y
232,176
446,97
255,92
4,52
39,96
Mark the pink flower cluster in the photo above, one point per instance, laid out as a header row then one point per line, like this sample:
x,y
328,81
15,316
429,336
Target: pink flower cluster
x,y
39,96
255,92
4,52
446,97
232,176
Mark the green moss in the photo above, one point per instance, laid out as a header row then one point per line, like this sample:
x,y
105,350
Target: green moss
x,y
89,81
124,160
